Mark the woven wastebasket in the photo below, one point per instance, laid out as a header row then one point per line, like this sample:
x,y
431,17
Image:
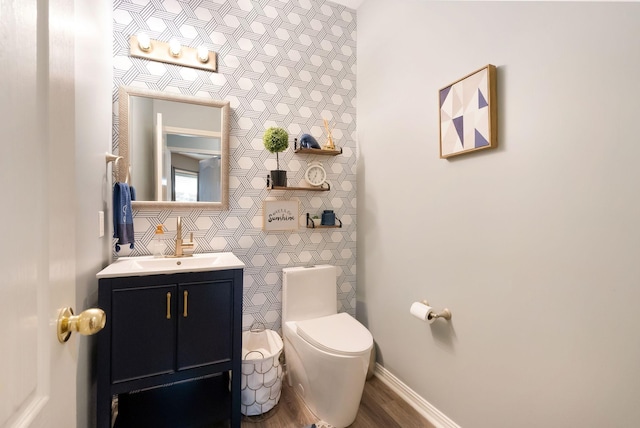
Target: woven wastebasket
x,y
261,371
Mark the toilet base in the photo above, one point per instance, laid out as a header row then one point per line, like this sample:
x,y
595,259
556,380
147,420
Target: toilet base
x,y
330,385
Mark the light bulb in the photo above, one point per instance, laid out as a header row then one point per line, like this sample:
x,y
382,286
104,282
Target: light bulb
x,y
144,43
203,54
174,47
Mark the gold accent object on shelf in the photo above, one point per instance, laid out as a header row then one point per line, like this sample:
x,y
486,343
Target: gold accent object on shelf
x,y
329,144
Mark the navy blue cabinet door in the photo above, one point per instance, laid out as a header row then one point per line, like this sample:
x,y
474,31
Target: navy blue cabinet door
x,y
143,335
205,323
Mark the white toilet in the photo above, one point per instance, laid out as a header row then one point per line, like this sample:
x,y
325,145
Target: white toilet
x,y
327,353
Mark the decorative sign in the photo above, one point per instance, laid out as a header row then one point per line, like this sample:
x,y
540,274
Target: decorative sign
x,y
280,215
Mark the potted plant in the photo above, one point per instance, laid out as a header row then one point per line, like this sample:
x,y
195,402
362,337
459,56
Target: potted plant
x,y
316,220
276,140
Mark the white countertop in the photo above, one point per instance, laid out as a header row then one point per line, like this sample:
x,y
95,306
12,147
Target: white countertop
x,y
150,265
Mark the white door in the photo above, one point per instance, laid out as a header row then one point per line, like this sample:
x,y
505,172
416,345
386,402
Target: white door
x,y
37,255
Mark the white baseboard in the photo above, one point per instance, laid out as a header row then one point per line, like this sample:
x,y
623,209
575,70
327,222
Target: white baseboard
x,y
422,406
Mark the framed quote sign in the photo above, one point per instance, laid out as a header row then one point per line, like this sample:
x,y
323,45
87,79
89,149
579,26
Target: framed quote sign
x,y
280,215
468,113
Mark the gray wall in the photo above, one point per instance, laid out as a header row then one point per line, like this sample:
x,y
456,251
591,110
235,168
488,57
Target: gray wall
x,y
533,246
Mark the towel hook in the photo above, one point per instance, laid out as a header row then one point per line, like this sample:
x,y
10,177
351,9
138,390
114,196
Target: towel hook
x,y
112,158
115,159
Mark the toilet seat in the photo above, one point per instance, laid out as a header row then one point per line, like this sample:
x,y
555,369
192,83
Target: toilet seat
x,y
338,334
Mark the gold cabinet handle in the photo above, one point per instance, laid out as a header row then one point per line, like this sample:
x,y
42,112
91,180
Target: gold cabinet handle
x,y
86,323
169,305
186,297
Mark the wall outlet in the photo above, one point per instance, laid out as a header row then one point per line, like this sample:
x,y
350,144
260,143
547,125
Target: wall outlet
x,y
100,224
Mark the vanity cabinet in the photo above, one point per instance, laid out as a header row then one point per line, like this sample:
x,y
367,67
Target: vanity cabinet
x,y
171,350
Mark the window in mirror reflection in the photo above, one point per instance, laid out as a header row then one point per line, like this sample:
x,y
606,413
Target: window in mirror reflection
x,y
185,185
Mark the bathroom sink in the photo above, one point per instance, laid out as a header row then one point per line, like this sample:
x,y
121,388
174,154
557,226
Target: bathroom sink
x,y
149,265
170,263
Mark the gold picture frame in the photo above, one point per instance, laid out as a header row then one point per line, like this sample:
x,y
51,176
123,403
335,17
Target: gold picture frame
x,y
468,113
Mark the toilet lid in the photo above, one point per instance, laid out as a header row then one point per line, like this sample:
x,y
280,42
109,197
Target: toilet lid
x,y
339,333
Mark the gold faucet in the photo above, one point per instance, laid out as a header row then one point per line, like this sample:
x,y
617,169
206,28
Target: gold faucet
x,y
180,244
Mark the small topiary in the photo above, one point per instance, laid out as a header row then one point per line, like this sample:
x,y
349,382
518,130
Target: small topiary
x,y
276,140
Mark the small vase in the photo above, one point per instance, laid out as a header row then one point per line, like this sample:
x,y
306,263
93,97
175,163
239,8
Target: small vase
x,y
328,218
279,178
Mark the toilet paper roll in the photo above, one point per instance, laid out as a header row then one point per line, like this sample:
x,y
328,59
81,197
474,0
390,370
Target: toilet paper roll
x,y
421,311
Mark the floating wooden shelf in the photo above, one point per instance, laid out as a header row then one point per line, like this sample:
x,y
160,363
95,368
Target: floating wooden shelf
x,y
311,224
312,189
334,152
324,188
325,227
319,151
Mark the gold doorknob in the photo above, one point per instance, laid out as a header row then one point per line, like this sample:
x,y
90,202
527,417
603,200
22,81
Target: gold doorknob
x,y
87,323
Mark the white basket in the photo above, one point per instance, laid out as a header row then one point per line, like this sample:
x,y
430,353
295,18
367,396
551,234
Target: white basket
x,y
261,371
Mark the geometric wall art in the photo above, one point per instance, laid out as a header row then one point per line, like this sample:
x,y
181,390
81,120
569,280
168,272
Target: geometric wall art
x,y
468,114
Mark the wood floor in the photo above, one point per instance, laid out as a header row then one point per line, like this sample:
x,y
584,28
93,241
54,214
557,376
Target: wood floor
x,y
380,407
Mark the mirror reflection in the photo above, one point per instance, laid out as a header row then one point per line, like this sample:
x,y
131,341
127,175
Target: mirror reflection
x,y
176,146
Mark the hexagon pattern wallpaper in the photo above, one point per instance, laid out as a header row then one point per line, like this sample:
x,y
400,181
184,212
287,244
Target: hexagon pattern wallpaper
x,y
284,63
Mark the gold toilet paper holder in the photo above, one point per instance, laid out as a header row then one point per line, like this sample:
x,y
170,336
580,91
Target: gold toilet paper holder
x,y
445,313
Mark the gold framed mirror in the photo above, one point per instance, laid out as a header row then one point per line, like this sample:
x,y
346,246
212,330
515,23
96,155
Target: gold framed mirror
x,y
175,149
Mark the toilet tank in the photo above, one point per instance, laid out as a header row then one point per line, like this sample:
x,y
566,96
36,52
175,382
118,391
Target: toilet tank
x,y
308,292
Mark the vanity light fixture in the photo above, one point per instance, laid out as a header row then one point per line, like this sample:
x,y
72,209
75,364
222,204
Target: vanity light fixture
x,y
174,48
144,42
141,46
203,54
